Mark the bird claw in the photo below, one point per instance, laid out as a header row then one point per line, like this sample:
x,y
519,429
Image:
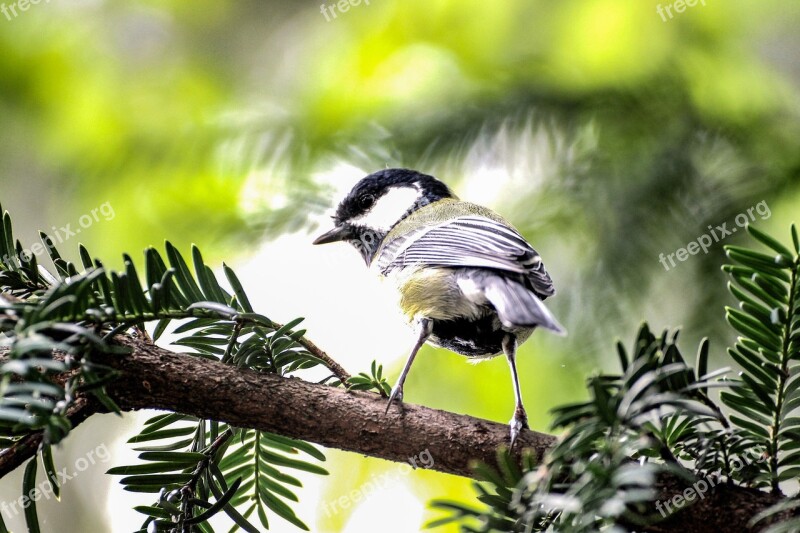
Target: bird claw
x,y
397,394
517,424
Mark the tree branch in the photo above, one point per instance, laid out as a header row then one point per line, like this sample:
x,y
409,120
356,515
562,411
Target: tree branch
x,y
155,378
315,350
721,508
82,408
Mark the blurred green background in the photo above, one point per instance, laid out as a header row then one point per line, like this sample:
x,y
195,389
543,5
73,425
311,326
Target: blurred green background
x,y
607,132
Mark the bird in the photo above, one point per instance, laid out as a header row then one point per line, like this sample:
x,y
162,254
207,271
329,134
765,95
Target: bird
x,y
466,279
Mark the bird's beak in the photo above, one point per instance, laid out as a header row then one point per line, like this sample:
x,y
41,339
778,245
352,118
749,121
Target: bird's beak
x,y
339,233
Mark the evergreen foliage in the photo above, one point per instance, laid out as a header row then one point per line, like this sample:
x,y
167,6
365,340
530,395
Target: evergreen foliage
x,y
194,468
657,417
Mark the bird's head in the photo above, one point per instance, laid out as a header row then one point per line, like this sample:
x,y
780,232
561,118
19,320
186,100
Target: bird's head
x,y
377,203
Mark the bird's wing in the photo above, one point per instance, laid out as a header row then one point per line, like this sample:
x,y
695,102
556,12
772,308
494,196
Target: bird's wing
x,y
469,241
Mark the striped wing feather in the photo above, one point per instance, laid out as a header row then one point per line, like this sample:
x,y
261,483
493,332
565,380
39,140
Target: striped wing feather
x,y
469,241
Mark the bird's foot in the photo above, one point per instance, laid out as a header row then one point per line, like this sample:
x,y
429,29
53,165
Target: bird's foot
x,y
397,394
517,424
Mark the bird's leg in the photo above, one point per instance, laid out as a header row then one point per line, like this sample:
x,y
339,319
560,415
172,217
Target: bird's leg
x,y
520,418
425,326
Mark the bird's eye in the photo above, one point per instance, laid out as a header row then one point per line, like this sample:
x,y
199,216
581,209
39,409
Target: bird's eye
x,y
366,201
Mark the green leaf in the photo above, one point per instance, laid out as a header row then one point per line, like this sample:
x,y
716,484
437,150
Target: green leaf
x,y
155,268
623,356
151,510
218,505
208,282
160,328
236,458
281,509
145,468
280,460
162,480
749,407
135,290
236,285
234,515
753,365
182,275
55,257
178,458
28,486
701,364
770,242
172,297
162,421
756,260
217,308
790,474
7,243
274,473
286,328
177,445
748,330
303,446
104,285
122,301
738,271
163,434
50,470
774,288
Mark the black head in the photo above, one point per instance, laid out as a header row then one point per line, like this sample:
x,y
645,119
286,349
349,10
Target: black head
x,y
377,203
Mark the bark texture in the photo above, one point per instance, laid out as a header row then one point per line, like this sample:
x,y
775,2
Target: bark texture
x,y
155,378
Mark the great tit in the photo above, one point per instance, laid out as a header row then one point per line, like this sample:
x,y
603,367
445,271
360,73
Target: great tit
x,y
467,280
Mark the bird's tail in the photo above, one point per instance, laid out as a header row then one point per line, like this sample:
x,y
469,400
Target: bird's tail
x,y
518,306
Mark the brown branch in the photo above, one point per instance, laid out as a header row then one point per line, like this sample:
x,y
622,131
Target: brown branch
x,y
341,374
353,421
719,508
154,378
317,352
29,445
81,409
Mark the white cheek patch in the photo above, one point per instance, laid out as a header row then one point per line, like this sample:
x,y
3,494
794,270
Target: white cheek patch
x,y
389,208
